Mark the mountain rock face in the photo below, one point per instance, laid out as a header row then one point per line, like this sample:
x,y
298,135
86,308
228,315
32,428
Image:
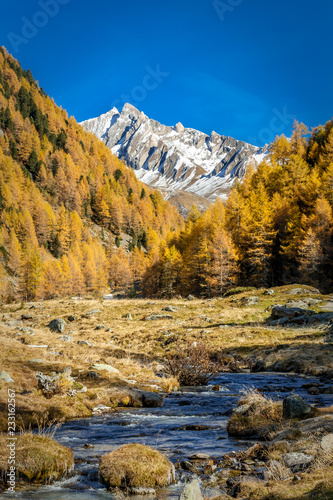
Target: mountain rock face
x,y
175,159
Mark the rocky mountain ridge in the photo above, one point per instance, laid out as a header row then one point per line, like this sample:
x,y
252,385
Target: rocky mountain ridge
x,y
175,159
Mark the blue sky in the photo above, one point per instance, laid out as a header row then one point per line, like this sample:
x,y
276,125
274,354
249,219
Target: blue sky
x,y
243,68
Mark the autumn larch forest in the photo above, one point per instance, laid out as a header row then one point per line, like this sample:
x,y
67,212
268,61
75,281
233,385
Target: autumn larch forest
x,y
76,221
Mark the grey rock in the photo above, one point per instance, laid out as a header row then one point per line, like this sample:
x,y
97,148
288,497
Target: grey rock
x,y
300,304
270,292
50,385
128,316
303,291
5,377
171,309
57,325
191,491
327,443
295,407
249,301
142,491
85,342
27,330
37,361
277,322
279,312
99,327
297,461
66,338
94,311
15,323
26,316
104,367
152,399
153,317
190,297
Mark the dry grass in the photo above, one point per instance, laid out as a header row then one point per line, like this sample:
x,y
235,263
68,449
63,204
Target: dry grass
x,y
138,348
256,415
134,466
38,458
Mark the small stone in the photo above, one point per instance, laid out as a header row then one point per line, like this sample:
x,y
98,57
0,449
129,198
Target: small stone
x,y
94,311
216,388
71,318
84,342
208,320
26,316
99,327
270,292
66,338
101,367
297,461
171,309
327,443
153,317
187,465
57,325
200,456
5,377
190,297
88,446
129,316
249,301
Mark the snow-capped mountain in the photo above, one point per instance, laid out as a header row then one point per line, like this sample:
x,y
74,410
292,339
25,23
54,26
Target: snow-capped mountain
x,y
174,159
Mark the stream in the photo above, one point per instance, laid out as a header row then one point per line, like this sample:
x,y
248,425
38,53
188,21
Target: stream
x,y
163,428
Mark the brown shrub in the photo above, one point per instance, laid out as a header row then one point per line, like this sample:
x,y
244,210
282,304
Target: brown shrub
x,y
192,365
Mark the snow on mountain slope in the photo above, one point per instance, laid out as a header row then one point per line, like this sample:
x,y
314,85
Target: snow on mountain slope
x,y
174,159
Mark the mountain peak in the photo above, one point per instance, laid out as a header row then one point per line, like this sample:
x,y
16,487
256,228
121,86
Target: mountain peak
x,y
174,158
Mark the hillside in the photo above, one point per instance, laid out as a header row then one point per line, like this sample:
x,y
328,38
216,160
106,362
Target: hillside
x,y
66,201
176,159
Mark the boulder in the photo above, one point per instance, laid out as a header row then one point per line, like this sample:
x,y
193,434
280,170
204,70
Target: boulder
x,y
57,325
326,443
55,384
288,312
295,407
134,398
104,367
191,491
297,461
5,377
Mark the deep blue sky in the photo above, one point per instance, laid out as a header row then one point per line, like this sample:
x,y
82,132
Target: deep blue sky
x,y
235,73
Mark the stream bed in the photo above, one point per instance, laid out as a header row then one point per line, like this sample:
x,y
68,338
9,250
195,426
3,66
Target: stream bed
x,y
168,429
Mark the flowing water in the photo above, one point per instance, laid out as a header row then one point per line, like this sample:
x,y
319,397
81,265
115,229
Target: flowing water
x,y
163,428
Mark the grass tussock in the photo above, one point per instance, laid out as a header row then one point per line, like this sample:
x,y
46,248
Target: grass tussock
x,y
38,458
135,466
256,415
